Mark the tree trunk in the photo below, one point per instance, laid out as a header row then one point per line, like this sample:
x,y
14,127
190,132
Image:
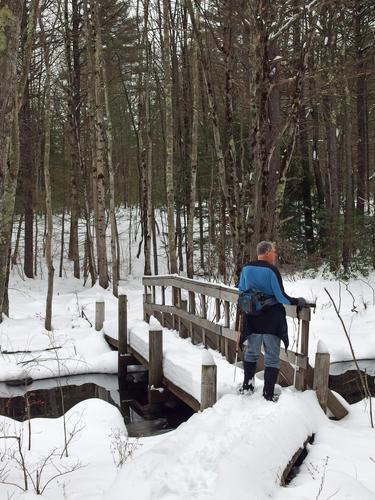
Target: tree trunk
x,y
145,144
361,165
62,242
47,179
111,174
201,231
193,161
27,138
304,148
348,211
169,176
36,247
232,178
261,120
72,55
100,146
15,256
306,183
179,238
208,82
154,242
10,22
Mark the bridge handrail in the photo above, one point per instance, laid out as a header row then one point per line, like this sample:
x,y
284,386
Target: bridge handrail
x,y
218,291
295,367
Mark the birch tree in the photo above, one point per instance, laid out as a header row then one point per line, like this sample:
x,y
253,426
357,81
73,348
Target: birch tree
x,y
169,135
47,177
10,91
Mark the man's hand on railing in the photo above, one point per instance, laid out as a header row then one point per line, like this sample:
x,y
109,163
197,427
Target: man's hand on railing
x,y
303,303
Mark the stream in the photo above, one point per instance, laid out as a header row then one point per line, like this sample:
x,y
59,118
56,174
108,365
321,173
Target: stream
x,y
47,399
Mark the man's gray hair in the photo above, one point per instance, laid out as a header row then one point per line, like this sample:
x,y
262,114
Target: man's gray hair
x,y
264,247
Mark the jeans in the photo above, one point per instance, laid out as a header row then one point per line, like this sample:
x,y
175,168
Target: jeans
x,y
271,349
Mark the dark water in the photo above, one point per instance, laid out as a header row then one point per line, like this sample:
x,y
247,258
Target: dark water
x,y
50,398
345,379
350,386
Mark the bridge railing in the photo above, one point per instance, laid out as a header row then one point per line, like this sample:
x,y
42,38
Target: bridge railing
x,y
205,312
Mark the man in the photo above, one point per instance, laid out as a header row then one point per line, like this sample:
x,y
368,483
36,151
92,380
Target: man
x,y
267,326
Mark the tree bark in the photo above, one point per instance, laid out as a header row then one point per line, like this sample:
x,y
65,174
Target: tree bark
x,y
193,161
72,55
169,171
62,243
47,179
111,175
231,154
27,165
348,211
10,22
100,146
361,164
145,143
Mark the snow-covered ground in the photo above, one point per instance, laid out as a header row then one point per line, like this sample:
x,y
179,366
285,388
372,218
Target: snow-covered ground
x,y
238,448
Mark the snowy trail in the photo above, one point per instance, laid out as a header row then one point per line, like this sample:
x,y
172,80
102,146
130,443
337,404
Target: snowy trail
x,y
242,442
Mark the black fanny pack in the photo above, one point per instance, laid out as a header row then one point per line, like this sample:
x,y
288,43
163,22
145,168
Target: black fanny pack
x,y
254,303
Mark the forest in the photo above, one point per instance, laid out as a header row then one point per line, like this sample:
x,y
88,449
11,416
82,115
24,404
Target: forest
x,y
232,121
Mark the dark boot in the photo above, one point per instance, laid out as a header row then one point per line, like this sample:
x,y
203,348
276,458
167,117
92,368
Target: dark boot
x,y
249,372
270,378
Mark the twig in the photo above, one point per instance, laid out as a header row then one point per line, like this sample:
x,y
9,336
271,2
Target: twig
x,y
322,478
333,494
77,302
30,352
354,308
85,317
368,392
22,460
372,288
62,473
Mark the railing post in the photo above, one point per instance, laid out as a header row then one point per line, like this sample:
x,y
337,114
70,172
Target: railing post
x,y
227,325
321,375
217,312
175,301
146,300
191,302
192,311
122,335
99,314
209,381
179,306
155,360
305,325
163,322
182,327
203,306
204,316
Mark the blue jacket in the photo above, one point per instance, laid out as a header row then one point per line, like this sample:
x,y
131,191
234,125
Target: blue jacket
x,y
261,276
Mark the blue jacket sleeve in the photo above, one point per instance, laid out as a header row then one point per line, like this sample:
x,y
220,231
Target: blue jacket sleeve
x,y
278,289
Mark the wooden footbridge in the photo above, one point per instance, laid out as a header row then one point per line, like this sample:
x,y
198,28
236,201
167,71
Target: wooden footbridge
x,y
204,312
